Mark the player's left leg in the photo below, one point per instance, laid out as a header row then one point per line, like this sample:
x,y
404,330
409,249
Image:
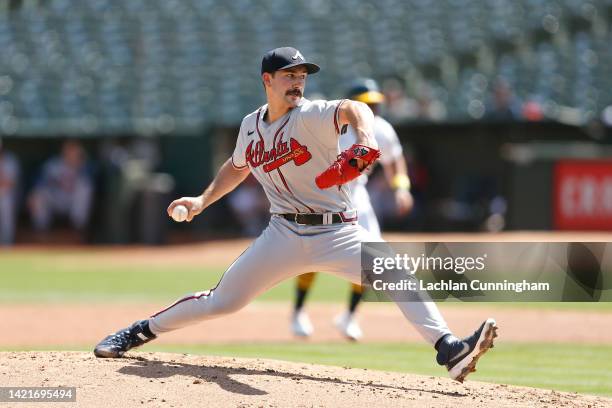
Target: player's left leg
x,y
343,258
458,355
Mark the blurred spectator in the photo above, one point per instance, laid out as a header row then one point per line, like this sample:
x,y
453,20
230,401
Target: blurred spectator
x,y
250,206
131,195
428,107
503,105
398,105
9,175
64,188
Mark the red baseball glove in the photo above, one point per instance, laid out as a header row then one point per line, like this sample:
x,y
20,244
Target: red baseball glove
x,y
346,167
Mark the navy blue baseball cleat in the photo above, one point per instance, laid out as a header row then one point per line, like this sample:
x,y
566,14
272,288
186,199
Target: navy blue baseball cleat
x,y
116,344
460,355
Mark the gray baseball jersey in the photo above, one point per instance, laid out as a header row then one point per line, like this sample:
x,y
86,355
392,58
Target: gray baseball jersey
x,y
286,156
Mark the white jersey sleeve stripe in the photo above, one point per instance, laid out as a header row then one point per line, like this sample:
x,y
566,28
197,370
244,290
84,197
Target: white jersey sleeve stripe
x,y
236,166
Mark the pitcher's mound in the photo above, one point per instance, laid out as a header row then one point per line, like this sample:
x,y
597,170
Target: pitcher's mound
x,y
178,380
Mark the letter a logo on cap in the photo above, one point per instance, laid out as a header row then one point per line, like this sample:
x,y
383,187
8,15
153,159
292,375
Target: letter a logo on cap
x,y
298,55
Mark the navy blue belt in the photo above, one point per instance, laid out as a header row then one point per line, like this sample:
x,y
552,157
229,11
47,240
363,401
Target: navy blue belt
x,y
319,219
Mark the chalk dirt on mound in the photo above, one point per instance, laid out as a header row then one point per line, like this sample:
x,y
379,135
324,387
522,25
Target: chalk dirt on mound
x,y
172,380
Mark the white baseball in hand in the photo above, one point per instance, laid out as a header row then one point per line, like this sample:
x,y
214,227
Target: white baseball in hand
x,y
179,213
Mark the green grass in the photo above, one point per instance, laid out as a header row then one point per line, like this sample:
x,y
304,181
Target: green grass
x,y
78,276
562,367
75,277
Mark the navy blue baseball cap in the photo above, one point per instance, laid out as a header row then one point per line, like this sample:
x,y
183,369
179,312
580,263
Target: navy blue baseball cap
x,y
285,57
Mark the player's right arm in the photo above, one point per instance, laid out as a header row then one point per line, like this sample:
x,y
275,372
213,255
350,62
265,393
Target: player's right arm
x,y
226,180
230,175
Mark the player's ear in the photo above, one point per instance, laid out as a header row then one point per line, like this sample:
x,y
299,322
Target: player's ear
x,y
265,78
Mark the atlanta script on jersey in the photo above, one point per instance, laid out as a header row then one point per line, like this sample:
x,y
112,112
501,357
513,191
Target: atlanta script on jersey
x,y
285,156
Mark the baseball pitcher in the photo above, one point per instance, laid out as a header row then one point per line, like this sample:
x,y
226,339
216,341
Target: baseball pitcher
x,y
290,145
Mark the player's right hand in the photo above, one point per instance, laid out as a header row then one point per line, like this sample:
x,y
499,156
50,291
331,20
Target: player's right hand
x,y
195,205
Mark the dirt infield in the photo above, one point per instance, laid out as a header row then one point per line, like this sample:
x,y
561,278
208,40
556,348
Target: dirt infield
x,y
223,253
49,325
36,325
173,380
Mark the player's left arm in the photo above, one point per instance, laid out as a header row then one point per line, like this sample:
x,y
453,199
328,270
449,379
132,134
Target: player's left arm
x,y
360,117
356,159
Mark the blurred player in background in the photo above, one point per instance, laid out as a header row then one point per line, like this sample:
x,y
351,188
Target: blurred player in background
x,y
364,90
65,187
9,175
250,206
